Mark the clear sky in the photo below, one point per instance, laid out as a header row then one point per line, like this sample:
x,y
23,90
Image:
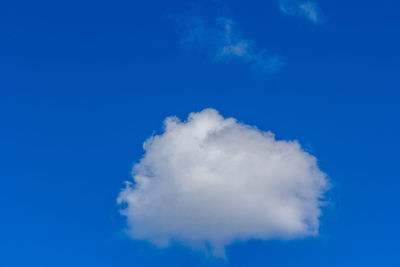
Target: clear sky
x,y
84,83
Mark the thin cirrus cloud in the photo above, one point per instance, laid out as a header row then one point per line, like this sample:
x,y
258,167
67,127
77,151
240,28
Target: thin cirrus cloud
x,y
222,41
210,181
304,9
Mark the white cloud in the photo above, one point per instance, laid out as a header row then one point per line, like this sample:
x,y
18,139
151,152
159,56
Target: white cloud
x,y
224,42
305,9
209,181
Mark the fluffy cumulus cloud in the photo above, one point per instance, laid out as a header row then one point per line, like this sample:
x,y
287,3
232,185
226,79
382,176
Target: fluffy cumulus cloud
x,y
224,42
305,9
209,181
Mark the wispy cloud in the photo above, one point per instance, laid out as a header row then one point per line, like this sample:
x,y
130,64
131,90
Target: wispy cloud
x,y
305,9
223,41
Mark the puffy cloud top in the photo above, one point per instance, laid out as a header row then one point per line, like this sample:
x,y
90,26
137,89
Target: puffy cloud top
x,y
209,181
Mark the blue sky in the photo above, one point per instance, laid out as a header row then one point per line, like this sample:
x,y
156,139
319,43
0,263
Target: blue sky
x,y
84,83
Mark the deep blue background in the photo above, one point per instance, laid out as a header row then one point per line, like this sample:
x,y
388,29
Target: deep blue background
x,y
84,83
